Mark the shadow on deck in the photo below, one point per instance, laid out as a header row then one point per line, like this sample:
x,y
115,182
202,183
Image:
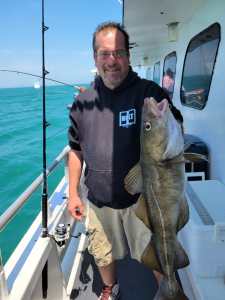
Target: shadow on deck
x,y
136,281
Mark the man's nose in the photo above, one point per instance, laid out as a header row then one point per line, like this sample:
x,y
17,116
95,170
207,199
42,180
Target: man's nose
x,y
112,59
112,56
111,63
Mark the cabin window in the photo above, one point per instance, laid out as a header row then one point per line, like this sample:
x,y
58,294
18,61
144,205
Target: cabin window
x,y
149,73
198,67
169,72
156,73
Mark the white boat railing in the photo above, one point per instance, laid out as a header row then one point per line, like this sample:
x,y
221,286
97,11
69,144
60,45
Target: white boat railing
x,y
12,210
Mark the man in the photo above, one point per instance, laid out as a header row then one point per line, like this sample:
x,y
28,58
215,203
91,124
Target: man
x,y
105,133
168,82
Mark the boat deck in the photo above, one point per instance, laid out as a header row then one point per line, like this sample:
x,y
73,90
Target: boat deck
x,y
136,281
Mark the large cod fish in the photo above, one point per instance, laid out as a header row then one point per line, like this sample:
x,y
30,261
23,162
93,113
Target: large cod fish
x,y
159,177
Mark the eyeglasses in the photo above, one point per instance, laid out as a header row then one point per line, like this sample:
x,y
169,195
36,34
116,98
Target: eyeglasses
x,y
104,54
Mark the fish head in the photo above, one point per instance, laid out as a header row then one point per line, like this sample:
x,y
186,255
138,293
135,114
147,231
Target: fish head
x,y
161,135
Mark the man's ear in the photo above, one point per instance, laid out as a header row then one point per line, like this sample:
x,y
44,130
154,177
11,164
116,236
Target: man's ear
x,y
95,59
95,55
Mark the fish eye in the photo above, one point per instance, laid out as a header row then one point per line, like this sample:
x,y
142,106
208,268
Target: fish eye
x,y
148,126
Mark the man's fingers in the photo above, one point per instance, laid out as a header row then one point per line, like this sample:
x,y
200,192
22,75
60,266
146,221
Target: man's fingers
x,y
79,212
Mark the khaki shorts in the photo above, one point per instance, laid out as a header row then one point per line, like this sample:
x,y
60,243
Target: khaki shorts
x,y
112,230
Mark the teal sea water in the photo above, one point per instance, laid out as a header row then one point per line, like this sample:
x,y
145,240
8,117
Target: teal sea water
x,y
21,150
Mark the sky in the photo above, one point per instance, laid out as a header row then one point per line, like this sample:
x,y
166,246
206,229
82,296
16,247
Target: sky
x,y
68,42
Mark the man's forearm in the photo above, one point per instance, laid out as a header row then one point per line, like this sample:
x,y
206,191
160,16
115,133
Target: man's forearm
x,y
75,163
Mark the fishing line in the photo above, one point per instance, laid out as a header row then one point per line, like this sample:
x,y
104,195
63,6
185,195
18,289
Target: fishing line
x,y
37,76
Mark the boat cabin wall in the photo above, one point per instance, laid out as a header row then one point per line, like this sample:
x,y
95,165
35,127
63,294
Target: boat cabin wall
x,y
208,123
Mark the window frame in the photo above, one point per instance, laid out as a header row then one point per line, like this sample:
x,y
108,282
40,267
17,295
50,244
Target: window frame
x,y
166,57
156,63
212,72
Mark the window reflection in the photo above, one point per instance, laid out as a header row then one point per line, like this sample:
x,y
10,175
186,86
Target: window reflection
x,y
169,72
149,73
156,73
198,67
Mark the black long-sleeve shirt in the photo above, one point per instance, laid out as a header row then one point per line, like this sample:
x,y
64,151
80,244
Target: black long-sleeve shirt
x,y
105,126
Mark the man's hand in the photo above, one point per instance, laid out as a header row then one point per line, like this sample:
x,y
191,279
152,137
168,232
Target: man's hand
x,y
76,207
81,89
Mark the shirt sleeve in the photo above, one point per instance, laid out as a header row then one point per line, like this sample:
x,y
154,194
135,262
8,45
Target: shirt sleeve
x,y
73,134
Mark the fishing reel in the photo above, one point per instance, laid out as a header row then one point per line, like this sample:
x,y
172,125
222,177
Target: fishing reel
x,y
62,234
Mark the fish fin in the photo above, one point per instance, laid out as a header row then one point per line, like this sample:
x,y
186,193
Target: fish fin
x,y
133,180
184,214
181,258
165,293
149,258
141,211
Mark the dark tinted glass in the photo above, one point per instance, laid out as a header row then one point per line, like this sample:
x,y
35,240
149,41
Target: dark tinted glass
x,y
156,73
198,67
169,72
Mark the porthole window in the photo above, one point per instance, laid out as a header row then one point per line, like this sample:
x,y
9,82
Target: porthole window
x,y
198,67
169,72
156,73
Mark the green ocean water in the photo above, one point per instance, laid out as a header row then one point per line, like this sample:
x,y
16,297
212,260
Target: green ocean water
x,y
21,150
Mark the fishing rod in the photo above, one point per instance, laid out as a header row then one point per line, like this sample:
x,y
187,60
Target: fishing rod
x,y
44,187
37,76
